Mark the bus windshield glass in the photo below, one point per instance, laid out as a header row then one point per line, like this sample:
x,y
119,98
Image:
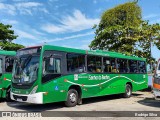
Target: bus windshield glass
x,y
25,69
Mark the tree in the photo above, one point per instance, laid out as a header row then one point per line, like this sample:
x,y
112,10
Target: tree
x,y
117,29
10,46
122,29
6,34
150,37
6,37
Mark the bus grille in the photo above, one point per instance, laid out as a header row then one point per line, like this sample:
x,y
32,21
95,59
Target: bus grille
x,y
24,98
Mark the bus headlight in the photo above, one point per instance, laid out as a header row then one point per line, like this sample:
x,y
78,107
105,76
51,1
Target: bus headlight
x,y
34,90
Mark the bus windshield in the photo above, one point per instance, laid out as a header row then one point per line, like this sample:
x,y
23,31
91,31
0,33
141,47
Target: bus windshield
x,y
25,70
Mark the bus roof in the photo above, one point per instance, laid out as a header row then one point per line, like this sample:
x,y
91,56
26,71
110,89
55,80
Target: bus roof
x,y
30,47
4,52
92,52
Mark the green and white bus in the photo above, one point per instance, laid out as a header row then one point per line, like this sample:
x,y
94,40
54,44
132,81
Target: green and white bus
x,y
46,74
6,65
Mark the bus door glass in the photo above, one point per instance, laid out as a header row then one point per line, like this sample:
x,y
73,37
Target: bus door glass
x,y
52,64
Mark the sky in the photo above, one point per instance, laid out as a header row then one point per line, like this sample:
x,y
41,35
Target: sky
x,y
65,23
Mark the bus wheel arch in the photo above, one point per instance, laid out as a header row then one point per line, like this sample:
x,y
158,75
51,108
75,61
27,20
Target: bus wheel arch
x,y
128,90
8,98
130,84
74,90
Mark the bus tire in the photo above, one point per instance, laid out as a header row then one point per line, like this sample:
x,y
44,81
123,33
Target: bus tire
x,y
72,98
128,91
8,97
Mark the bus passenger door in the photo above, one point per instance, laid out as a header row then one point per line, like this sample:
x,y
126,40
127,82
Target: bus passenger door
x,y
53,68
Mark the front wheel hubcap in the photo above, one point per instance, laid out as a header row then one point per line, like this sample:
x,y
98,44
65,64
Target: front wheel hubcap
x,y
128,91
72,97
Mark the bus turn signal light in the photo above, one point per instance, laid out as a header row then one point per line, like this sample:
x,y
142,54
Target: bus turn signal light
x,y
45,93
65,80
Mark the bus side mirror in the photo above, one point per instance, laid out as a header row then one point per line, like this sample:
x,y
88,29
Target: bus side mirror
x,y
45,58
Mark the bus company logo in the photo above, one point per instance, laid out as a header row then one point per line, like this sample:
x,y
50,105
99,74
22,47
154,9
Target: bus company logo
x,y
99,77
6,114
75,76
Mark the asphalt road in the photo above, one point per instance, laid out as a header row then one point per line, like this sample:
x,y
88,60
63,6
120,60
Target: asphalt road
x,y
140,101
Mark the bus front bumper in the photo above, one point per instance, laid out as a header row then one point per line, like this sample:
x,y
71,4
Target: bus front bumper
x,y
36,98
156,93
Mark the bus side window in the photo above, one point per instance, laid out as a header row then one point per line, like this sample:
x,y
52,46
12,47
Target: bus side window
x,y
142,67
133,66
109,65
106,65
75,63
122,65
113,66
9,64
94,64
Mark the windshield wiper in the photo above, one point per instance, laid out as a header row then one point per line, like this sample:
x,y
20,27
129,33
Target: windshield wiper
x,y
24,64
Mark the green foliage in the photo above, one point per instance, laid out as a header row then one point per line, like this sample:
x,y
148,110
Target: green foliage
x,y
6,36
128,14
10,46
122,29
118,28
150,36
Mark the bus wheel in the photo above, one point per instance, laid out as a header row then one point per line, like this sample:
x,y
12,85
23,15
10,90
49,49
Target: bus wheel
x,y
72,98
8,98
128,91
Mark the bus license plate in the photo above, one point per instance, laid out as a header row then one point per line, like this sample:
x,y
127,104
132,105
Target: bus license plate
x,y
18,99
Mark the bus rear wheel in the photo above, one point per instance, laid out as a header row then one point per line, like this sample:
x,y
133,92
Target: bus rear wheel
x,y
72,98
128,91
